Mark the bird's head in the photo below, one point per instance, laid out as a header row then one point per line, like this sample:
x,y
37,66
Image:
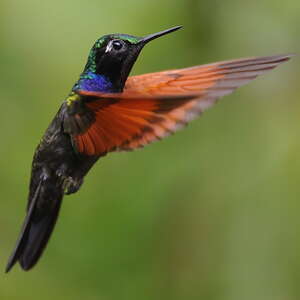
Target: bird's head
x,y
113,55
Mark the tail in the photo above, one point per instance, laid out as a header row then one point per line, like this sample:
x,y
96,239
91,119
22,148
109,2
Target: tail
x,y
38,225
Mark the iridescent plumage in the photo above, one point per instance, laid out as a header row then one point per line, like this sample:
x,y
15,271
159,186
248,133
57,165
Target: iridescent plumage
x,y
107,111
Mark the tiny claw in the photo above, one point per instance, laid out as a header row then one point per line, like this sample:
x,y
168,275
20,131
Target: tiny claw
x,y
71,185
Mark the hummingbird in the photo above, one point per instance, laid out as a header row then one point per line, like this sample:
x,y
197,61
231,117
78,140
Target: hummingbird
x,y
107,110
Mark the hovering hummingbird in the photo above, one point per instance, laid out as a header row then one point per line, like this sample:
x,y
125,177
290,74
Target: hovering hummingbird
x,y
108,111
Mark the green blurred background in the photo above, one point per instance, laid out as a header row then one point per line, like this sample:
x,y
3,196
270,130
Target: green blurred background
x,y
210,213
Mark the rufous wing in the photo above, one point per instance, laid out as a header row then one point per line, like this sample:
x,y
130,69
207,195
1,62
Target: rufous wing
x,y
155,105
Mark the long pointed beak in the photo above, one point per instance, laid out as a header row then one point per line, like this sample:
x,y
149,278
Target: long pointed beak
x,y
150,37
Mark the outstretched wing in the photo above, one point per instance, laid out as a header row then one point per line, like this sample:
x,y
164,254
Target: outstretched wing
x,y
155,105
213,80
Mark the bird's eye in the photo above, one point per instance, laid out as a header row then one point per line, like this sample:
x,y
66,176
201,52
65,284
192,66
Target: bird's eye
x,y
117,45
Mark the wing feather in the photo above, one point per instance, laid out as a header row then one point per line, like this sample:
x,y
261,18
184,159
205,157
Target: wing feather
x,y
155,105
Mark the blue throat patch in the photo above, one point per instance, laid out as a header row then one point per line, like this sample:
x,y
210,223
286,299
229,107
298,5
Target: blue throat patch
x,y
93,82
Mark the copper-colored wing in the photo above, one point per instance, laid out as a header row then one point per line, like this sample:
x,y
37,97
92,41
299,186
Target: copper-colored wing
x,y
215,79
121,123
154,105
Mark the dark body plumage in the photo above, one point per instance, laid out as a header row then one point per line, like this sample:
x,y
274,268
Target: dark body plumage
x,y
56,169
107,112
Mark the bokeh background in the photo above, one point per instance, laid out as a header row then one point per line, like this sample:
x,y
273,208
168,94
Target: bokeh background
x,y
210,213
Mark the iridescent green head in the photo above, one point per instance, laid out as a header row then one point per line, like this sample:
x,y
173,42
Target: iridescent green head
x,y
113,56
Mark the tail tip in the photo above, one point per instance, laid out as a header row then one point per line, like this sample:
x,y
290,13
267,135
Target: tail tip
x,y
8,267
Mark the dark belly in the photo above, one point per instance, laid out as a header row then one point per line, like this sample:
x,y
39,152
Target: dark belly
x,y
56,157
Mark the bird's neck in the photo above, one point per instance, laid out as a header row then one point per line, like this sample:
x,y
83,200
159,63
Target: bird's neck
x,y
90,81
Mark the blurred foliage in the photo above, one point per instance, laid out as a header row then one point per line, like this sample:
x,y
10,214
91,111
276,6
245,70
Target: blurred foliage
x,y
210,213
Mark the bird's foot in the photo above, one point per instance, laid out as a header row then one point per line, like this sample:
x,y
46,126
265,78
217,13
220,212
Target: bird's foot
x,y
71,185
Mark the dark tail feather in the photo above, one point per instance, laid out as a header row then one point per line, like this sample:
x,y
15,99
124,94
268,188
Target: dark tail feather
x,y
36,230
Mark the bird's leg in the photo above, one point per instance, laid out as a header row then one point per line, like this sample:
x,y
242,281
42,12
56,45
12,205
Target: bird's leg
x,y
61,172
71,185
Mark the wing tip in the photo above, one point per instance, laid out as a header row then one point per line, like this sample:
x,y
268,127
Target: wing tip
x,y
283,57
